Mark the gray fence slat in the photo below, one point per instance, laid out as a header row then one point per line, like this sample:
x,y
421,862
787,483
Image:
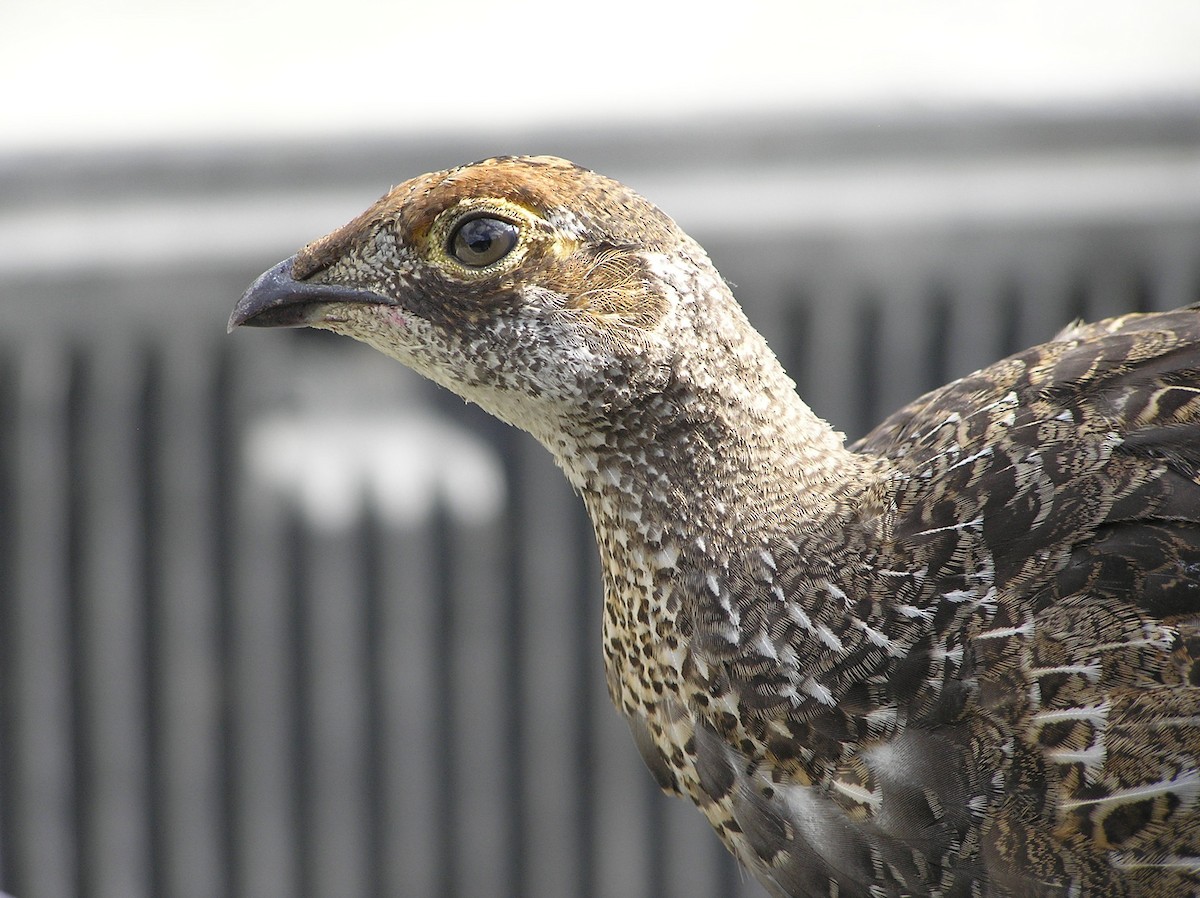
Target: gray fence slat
x,y
548,587
829,375
692,853
110,618
410,701
479,612
186,651
902,354
334,727
43,861
1174,275
1043,307
1111,287
976,326
265,841
625,842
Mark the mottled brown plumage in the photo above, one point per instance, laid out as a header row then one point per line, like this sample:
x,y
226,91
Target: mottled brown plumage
x,y
958,658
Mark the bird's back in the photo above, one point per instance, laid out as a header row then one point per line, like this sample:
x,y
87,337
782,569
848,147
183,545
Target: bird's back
x,y
1051,504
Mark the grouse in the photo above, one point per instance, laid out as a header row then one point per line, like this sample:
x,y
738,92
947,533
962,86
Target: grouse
x,y
960,657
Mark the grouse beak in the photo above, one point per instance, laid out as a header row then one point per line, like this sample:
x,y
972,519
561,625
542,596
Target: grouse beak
x,y
276,299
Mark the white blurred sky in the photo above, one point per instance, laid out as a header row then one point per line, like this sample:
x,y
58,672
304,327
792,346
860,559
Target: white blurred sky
x,y
131,72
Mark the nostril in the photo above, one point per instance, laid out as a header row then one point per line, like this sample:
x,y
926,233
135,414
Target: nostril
x,y
306,263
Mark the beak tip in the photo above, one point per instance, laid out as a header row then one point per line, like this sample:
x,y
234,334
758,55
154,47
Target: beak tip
x,y
271,290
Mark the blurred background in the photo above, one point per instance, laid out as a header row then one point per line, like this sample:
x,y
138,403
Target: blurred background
x,y
278,618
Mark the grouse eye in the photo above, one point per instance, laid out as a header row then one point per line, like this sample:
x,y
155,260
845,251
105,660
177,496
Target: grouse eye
x,y
479,242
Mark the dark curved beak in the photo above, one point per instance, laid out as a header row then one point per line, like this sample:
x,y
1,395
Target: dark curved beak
x,y
276,299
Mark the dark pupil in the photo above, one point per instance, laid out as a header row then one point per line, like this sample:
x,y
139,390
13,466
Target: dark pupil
x,y
481,241
478,236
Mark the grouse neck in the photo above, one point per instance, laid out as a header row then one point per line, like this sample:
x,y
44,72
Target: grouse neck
x,y
714,468
686,498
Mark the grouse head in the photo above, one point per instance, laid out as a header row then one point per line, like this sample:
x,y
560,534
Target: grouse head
x,y
548,294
